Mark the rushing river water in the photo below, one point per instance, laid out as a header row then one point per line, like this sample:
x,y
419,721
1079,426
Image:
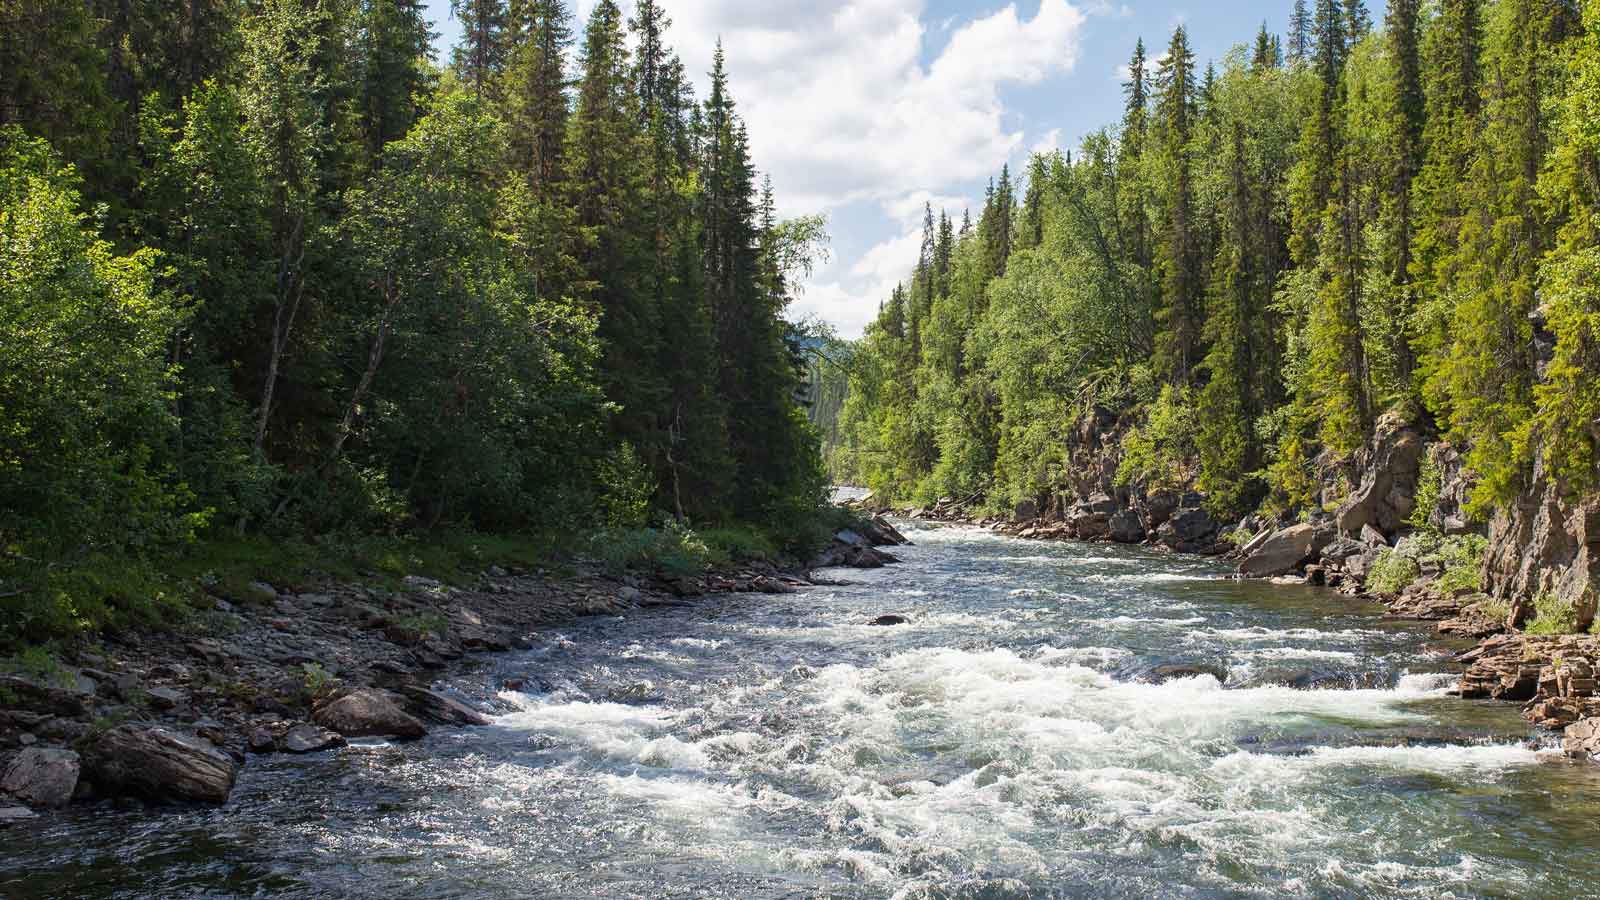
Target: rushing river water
x,y
1007,743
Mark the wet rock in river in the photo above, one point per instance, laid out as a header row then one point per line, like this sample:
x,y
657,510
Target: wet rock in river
x,y
1173,671
307,738
441,710
11,815
890,620
1581,740
159,765
42,776
368,713
1283,552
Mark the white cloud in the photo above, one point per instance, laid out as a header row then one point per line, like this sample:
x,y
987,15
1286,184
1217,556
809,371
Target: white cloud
x,y
1051,141
863,104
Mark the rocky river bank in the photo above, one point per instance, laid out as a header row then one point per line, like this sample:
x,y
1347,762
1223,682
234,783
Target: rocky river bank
x,y
172,717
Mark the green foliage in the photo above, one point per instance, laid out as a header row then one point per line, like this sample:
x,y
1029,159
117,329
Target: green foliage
x,y
1157,453
1463,562
1552,615
1393,572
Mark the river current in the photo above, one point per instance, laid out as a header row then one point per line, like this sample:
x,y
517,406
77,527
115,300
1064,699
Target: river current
x,y
1014,740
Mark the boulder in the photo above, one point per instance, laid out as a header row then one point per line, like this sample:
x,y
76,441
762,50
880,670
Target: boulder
x,y
308,738
1089,524
1372,537
368,713
1190,530
1581,740
1158,508
1341,550
1285,551
431,706
1026,511
1172,671
42,776
1125,528
159,765
890,620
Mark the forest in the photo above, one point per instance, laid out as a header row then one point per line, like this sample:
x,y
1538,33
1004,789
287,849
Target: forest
x,y
269,270
1350,223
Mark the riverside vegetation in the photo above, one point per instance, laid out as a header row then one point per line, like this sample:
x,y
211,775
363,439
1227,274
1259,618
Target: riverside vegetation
x,y
305,330
280,293
1340,288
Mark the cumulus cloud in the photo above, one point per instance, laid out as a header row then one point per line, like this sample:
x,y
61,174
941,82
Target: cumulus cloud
x,y
864,104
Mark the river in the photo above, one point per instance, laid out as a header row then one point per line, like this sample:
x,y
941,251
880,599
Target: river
x,y
1006,743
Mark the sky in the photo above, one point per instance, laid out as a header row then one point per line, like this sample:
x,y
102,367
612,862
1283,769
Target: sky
x,y
864,110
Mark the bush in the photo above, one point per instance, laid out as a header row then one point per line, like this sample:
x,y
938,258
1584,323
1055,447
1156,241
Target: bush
x,y
1463,562
1393,572
1158,453
1552,615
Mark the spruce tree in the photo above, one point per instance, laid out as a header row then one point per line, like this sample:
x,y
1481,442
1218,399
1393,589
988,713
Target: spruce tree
x,y
481,56
1178,338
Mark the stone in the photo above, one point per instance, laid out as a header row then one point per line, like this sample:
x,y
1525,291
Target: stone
x,y
1089,524
1026,511
23,693
1190,530
1372,537
1125,527
307,738
1581,740
1389,467
431,706
166,698
42,776
890,620
1545,543
368,713
1341,550
1172,671
1283,552
159,765
260,740
11,815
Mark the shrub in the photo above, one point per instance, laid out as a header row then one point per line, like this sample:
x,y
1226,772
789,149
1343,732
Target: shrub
x,y
1463,562
1552,615
1157,454
1393,572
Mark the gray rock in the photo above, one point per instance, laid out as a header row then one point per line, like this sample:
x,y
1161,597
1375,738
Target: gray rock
x,y
11,815
890,620
1026,511
1581,740
1170,671
1190,530
1285,551
368,713
42,776
1372,537
307,738
434,707
159,765
1125,527
1341,550
166,698
30,695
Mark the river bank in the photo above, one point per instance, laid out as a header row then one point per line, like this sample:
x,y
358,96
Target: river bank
x,y
172,715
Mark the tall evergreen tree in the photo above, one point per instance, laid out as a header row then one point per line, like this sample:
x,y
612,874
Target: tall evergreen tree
x,y
1178,340
481,55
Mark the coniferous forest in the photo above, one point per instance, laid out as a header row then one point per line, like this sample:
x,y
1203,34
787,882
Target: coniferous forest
x,y
1264,260
272,269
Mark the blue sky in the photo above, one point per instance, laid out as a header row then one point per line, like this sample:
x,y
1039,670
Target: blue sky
x,y
864,109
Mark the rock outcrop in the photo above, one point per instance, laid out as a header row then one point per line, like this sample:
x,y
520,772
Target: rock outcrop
x,y
159,765
1387,467
1546,544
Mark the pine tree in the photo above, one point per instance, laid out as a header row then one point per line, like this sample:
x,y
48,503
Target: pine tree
x,y
481,55
1301,26
536,94
1405,156
1357,23
606,180
396,44
1180,316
